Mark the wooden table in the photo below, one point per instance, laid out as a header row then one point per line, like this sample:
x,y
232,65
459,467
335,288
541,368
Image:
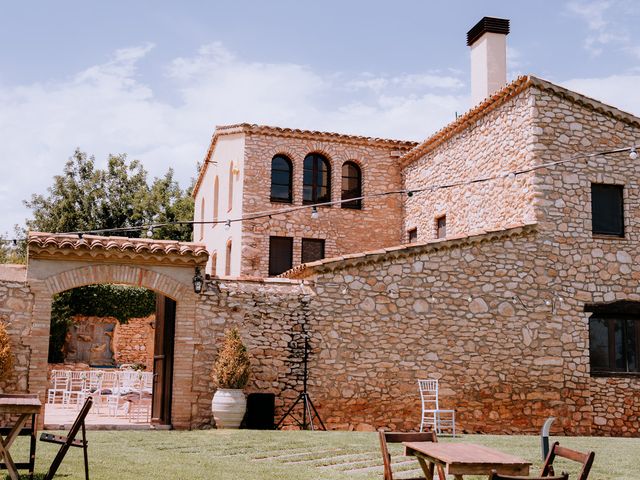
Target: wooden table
x,y
25,406
460,459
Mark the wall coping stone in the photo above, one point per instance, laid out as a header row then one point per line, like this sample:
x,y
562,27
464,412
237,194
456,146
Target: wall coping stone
x,y
308,269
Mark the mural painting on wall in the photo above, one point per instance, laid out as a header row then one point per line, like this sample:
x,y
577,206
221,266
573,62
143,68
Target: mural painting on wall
x,y
90,342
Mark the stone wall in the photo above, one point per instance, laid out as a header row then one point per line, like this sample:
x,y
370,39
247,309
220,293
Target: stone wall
x,y
449,311
344,230
491,145
269,315
588,268
16,303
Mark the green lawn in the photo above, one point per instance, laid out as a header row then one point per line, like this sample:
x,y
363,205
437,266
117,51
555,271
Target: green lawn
x,y
260,455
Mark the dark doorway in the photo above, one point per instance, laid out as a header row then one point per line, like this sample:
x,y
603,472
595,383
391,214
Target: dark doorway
x,y
163,360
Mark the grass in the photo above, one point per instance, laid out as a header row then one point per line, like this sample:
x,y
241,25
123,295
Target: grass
x,y
262,455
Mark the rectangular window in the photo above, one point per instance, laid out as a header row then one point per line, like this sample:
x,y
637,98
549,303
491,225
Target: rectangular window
x,y
441,227
312,249
614,344
607,209
413,235
280,255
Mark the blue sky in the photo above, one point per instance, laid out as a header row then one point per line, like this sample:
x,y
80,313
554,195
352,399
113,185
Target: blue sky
x,y
152,79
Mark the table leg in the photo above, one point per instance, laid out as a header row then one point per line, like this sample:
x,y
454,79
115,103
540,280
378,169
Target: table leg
x,y
427,467
5,444
8,461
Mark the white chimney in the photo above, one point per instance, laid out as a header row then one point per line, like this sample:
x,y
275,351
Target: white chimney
x,y
488,42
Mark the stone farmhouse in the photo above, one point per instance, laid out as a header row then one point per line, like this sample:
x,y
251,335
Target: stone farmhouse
x,y
503,259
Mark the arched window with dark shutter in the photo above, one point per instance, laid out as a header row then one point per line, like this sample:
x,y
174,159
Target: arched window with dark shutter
x,y
316,179
351,185
281,177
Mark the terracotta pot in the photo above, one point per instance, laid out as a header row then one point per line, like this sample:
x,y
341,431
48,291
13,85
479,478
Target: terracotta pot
x,y
228,406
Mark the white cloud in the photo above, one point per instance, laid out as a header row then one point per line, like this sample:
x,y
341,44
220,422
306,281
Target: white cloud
x,y
620,91
605,25
109,108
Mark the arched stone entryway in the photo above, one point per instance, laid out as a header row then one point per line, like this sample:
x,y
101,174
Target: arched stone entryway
x,y
63,262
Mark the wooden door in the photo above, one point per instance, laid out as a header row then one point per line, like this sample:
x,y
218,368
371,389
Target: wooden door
x,y
163,360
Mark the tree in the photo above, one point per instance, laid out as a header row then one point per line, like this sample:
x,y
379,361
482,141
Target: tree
x,y
84,198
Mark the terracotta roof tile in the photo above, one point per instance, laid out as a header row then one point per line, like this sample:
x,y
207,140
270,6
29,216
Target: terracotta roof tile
x,y
39,242
501,96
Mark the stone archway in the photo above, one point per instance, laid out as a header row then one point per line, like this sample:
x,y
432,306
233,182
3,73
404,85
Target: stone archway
x,y
63,262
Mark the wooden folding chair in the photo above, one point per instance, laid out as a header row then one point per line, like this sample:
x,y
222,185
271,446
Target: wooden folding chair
x,y
397,437
586,459
496,476
70,441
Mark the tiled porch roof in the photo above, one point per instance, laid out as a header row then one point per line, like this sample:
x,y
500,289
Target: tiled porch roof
x,y
50,244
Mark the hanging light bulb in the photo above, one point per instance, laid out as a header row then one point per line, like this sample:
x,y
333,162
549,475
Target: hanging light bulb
x,y
150,232
314,213
633,154
227,225
511,176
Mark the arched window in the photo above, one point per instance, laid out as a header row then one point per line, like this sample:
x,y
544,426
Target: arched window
x,y
316,179
216,194
214,264
281,169
202,219
227,260
230,206
351,185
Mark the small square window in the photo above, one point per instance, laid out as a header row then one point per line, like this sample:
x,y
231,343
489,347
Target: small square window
x,y
312,250
607,210
413,235
441,227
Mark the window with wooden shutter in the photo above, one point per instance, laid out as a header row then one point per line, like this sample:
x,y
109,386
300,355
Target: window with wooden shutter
x,y
280,255
607,209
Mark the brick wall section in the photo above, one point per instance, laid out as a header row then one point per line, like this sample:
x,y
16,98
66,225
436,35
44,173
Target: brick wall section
x,y
494,144
344,230
588,269
134,340
16,303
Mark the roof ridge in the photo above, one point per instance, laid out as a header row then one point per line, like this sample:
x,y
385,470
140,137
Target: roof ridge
x,y
496,99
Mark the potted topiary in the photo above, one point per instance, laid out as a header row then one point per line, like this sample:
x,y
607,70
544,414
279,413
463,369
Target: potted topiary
x,y
230,374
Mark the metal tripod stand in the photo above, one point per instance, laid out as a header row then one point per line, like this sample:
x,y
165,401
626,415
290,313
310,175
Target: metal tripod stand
x,y
309,411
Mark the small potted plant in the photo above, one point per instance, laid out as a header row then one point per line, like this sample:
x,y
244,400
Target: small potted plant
x,y
230,374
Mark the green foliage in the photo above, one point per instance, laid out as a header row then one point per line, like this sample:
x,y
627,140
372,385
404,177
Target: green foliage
x,y
6,357
10,252
86,198
231,369
119,301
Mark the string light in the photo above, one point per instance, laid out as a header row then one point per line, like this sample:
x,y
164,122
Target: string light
x,y
150,232
409,192
314,213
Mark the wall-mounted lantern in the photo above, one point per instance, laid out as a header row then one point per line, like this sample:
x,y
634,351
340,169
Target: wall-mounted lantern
x,y
198,281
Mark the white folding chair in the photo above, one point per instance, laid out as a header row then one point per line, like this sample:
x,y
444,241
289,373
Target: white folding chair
x,y
93,388
58,384
432,415
75,386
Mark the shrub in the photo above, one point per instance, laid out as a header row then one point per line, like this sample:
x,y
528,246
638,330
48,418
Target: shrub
x,y
231,369
6,358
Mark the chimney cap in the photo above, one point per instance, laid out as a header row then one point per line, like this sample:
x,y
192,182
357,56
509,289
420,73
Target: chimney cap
x,y
487,24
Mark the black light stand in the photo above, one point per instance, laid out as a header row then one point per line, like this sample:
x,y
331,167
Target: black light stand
x,y
309,411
